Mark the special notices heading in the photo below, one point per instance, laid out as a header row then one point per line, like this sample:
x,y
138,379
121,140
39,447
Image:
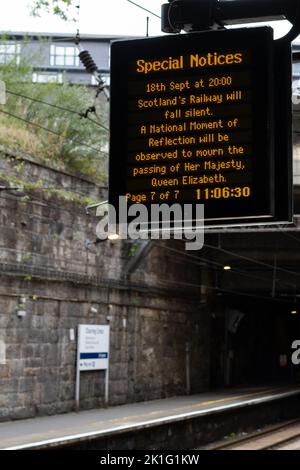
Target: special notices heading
x,y
191,61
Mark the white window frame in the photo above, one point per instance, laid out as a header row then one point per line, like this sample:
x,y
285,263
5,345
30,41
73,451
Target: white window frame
x,y
47,77
63,52
6,55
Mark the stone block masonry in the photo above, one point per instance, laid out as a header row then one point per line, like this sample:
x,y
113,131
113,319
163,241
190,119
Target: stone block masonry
x,y
47,272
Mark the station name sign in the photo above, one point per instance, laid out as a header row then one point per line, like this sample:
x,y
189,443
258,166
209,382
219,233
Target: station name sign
x,y
192,122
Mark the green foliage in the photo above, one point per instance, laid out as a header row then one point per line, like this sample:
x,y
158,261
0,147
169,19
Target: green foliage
x,y
39,186
133,249
59,8
81,144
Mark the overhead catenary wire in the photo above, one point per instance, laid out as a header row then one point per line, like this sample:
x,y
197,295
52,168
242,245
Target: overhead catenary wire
x,y
177,283
222,291
211,264
39,126
252,260
168,284
197,260
248,259
78,8
289,235
143,8
143,286
194,285
186,284
71,111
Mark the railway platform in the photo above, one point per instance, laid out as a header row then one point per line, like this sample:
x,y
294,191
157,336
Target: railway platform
x,y
168,423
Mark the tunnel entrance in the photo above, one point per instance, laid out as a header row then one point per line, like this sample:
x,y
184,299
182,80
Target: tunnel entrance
x,y
251,341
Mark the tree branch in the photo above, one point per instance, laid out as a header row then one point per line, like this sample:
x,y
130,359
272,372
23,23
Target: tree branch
x,y
60,8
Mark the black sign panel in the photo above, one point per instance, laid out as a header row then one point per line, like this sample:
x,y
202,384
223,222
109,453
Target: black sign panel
x,y
192,122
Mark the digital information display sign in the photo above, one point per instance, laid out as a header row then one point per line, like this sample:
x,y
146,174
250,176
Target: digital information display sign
x,y
192,122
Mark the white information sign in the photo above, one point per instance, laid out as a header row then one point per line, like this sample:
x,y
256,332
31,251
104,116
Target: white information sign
x,y
92,354
93,344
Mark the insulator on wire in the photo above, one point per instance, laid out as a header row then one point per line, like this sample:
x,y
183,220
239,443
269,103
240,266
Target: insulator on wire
x,y
88,61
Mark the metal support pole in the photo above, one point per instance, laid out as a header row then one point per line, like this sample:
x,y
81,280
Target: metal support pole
x,y
106,392
77,396
77,386
187,368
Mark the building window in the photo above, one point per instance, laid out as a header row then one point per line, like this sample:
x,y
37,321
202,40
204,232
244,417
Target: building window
x,y
9,52
47,77
64,56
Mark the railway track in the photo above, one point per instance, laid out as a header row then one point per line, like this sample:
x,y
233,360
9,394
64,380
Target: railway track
x,y
285,436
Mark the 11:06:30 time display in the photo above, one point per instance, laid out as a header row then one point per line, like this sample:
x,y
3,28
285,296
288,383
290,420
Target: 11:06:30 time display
x,y
224,193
